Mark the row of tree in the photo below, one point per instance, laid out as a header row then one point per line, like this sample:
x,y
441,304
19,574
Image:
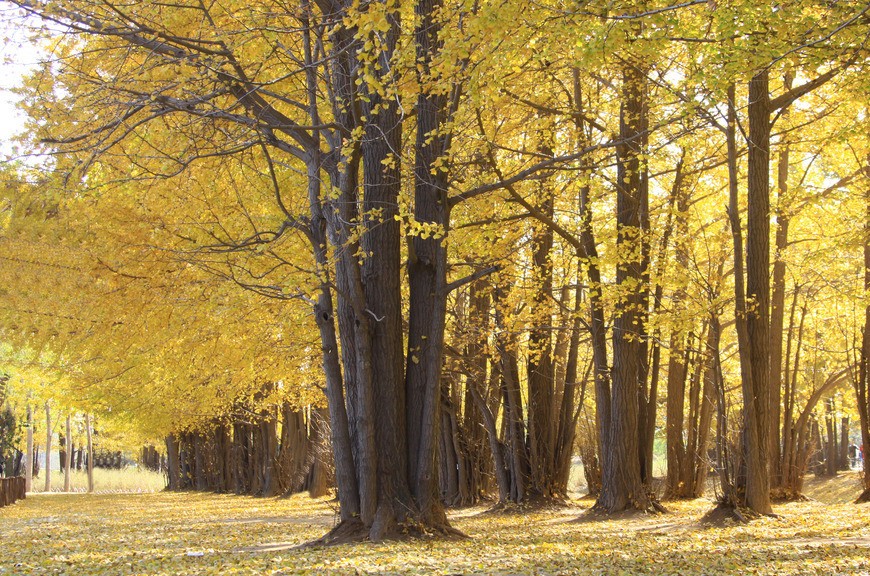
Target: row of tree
x,y
470,226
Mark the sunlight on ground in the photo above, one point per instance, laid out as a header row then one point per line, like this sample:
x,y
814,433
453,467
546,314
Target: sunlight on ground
x,y
129,479
192,533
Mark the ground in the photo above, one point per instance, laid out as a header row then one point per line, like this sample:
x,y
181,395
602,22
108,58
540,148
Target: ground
x,y
190,533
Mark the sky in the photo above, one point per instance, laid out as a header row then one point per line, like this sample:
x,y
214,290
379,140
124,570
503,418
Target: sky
x,y
18,55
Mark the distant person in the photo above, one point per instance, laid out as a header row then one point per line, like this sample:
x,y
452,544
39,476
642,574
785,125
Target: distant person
x,y
853,456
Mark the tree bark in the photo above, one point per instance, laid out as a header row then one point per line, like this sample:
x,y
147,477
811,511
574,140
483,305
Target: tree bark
x,y
173,463
777,305
622,484
90,463
67,463
28,470
862,385
47,447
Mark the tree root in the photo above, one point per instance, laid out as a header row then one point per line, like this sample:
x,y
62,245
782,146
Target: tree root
x,y
631,510
864,497
354,531
725,513
533,504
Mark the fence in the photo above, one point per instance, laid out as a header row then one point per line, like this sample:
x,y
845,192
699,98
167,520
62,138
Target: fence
x,y
11,489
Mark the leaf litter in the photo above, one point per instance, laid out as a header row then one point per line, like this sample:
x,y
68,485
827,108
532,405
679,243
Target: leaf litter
x,y
194,533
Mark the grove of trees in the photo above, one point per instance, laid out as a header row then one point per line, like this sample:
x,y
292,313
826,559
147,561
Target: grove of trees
x,y
427,251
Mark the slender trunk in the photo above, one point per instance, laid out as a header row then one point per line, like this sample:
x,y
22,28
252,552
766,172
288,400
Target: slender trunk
x,y
647,390
90,462
730,478
789,396
516,462
843,457
173,463
67,464
47,447
28,470
777,321
701,463
831,440
862,386
567,412
598,329
324,313
678,360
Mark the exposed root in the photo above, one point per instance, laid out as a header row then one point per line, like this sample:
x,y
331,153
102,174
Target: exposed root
x,y
474,503
534,504
632,509
864,497
354,531
345,532
725,513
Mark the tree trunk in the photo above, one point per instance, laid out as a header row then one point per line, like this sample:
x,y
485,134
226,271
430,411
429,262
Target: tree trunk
x,y
90,460
28,470
777,307
843,447
622,483
700,463
862,386
67,462
831,439
790,445
756,393
593,445
568,413
173,462
427,275
47,447
539,369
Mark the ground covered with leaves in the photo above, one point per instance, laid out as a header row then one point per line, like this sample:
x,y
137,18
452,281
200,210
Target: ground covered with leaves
x,y
191,533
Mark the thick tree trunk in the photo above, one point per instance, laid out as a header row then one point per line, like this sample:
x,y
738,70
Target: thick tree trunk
x,y
756,392
539,369
393,432
427,275
381,277
622,483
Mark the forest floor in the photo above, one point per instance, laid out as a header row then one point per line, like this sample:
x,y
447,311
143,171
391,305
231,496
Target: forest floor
x,y
192,533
